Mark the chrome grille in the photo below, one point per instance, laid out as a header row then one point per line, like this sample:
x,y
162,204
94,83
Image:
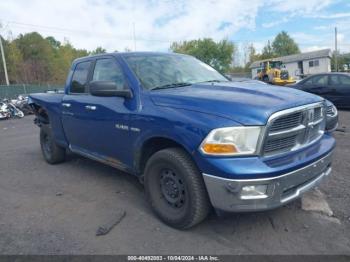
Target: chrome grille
x,y
317,113
286,122
280,144
294,128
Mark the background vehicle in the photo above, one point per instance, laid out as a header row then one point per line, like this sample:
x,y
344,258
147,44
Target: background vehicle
x,y
333,86
11,110
22,104
194,138
274,73
4,112
247,80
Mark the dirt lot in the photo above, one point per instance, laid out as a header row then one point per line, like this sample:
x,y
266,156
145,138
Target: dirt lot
x,y
57,209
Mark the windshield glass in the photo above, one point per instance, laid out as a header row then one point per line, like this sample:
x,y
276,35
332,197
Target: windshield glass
x,y
276,65
170,70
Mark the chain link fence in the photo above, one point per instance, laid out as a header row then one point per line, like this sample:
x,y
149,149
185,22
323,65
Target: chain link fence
x,y
12,91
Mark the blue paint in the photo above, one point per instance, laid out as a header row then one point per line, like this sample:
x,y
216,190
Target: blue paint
x,y
185,115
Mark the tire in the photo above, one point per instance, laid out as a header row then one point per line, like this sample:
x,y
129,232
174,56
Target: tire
x,y
175,189
266,79
53,154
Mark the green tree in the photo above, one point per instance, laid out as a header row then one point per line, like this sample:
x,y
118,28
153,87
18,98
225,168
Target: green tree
x,y
14,61
63,59
284,45
218,55
53,42
37,56
251,55
267,51
343,61
98,50
30,58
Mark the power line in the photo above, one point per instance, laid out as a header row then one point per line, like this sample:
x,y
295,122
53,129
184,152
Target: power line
x,y
53,29
73,32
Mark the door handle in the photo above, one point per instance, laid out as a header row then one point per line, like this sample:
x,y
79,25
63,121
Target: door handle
x,y
67,105
92,108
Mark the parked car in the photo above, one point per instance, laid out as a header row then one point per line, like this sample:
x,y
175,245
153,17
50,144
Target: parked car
x,y
333,86
195,139
247,80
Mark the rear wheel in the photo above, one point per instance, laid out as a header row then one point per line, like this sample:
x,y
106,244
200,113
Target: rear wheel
x,y
52,153
175,189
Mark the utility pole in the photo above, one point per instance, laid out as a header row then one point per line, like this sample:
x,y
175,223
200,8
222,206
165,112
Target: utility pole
x,y
336,49
4,61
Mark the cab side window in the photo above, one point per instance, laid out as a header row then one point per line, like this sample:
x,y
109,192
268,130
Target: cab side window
x,y
320,80
308,82
108,70
80,78
344,80
334,80
316,81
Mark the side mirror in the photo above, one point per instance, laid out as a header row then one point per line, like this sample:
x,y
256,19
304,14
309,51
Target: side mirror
x,y
108,88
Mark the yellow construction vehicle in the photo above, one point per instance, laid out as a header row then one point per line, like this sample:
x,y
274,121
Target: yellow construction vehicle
x,y
274,72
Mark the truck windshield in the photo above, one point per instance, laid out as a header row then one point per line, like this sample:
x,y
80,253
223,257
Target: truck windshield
x,y
171,70
276,65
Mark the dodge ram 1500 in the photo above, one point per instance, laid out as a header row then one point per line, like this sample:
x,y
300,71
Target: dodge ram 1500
x,y
195,139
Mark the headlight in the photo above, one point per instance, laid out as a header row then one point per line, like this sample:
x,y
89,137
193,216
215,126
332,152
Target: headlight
x,y
331,110
232,141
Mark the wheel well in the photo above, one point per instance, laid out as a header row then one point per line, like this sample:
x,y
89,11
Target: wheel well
x,y
41,115
152,146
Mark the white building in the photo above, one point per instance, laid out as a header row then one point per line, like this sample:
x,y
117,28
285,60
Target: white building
x,y
301,64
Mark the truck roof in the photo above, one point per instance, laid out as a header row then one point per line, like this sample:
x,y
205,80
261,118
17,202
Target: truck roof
x,y
143,53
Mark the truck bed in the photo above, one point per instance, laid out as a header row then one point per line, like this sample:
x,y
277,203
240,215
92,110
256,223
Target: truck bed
x,y
49,106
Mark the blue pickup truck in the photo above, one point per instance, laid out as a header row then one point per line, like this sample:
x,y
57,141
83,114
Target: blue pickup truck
x,y
196,140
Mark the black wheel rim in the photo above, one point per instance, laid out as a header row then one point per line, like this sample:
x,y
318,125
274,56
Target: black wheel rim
x,y
172,188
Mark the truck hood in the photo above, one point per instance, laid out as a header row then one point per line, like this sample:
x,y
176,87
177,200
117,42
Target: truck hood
x,y
245,103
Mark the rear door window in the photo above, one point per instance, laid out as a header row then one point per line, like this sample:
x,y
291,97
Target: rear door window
x,y
316,82
320,80
340,82
344,80
334,80
80,78
309,82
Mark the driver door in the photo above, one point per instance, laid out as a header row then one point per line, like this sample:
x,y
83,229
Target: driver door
x,y
98,126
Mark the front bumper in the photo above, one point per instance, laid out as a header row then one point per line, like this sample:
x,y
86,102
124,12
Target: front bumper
x,y
225,194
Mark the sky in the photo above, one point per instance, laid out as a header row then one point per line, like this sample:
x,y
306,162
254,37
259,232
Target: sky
x,y
152,25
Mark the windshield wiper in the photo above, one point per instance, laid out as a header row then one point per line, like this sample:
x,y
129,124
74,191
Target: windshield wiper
x,y
171,85
213,81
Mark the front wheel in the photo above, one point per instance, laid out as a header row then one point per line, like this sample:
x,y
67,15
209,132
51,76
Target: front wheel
x,y
175,188
52,153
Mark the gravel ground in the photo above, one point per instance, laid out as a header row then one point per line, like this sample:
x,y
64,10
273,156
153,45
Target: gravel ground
x,y
57,209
